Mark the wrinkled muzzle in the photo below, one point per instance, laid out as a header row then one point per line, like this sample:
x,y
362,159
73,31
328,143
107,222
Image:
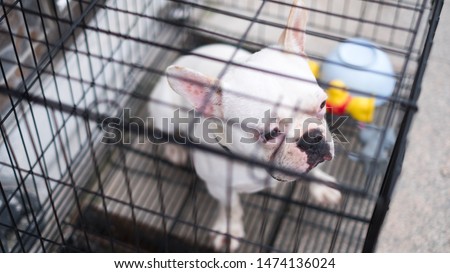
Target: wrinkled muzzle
x,y
311,149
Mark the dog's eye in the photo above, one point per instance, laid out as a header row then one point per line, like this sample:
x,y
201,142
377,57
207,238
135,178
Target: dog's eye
x,y
272,134
322,105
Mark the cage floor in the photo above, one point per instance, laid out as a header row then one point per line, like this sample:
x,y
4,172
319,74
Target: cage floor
x,y
169,209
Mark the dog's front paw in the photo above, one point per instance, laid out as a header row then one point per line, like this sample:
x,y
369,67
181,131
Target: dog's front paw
x,y
321,193
324,194
228,235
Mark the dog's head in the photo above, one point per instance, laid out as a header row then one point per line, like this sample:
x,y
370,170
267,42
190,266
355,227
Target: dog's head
x,y
276,105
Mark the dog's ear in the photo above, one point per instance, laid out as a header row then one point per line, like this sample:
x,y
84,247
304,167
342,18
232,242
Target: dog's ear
x,y
293,37
202,92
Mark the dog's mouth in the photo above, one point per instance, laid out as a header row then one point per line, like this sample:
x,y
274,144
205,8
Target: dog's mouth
x,y
311,165
279,179
319,154
314,164
293,179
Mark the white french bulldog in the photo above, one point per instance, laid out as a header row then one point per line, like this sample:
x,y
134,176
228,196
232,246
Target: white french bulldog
x,y
296,106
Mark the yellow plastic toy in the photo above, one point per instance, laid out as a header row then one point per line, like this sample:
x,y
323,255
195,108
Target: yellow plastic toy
x,y
340,101
315,68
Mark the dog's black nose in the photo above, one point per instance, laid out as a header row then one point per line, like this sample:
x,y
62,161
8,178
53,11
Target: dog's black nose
x,y
310,140
314,144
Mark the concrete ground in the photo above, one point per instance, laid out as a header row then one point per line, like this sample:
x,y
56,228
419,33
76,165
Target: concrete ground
x,y
419,216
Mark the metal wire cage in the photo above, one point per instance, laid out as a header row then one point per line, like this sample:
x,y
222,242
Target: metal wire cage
x,y
69,65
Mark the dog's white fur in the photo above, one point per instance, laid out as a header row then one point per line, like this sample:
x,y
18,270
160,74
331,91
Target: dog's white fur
x,y
194,80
